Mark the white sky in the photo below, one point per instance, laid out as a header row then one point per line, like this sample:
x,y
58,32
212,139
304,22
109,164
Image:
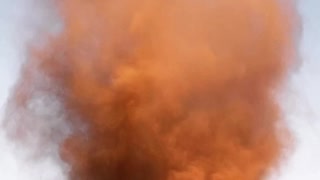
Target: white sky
x,y
302,106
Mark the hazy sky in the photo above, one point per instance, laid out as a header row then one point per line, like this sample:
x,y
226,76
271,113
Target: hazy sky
x,y
301,107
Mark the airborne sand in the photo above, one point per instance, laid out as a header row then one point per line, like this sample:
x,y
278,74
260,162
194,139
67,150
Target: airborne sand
x,y
175,90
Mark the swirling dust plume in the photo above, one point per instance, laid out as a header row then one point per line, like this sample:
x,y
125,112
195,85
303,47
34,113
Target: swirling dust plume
x,y
166,90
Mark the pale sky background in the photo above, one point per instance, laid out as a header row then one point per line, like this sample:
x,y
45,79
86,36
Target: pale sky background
x,y
302,106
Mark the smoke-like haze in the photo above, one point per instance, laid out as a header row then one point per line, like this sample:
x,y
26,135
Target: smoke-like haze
x,y
160,90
